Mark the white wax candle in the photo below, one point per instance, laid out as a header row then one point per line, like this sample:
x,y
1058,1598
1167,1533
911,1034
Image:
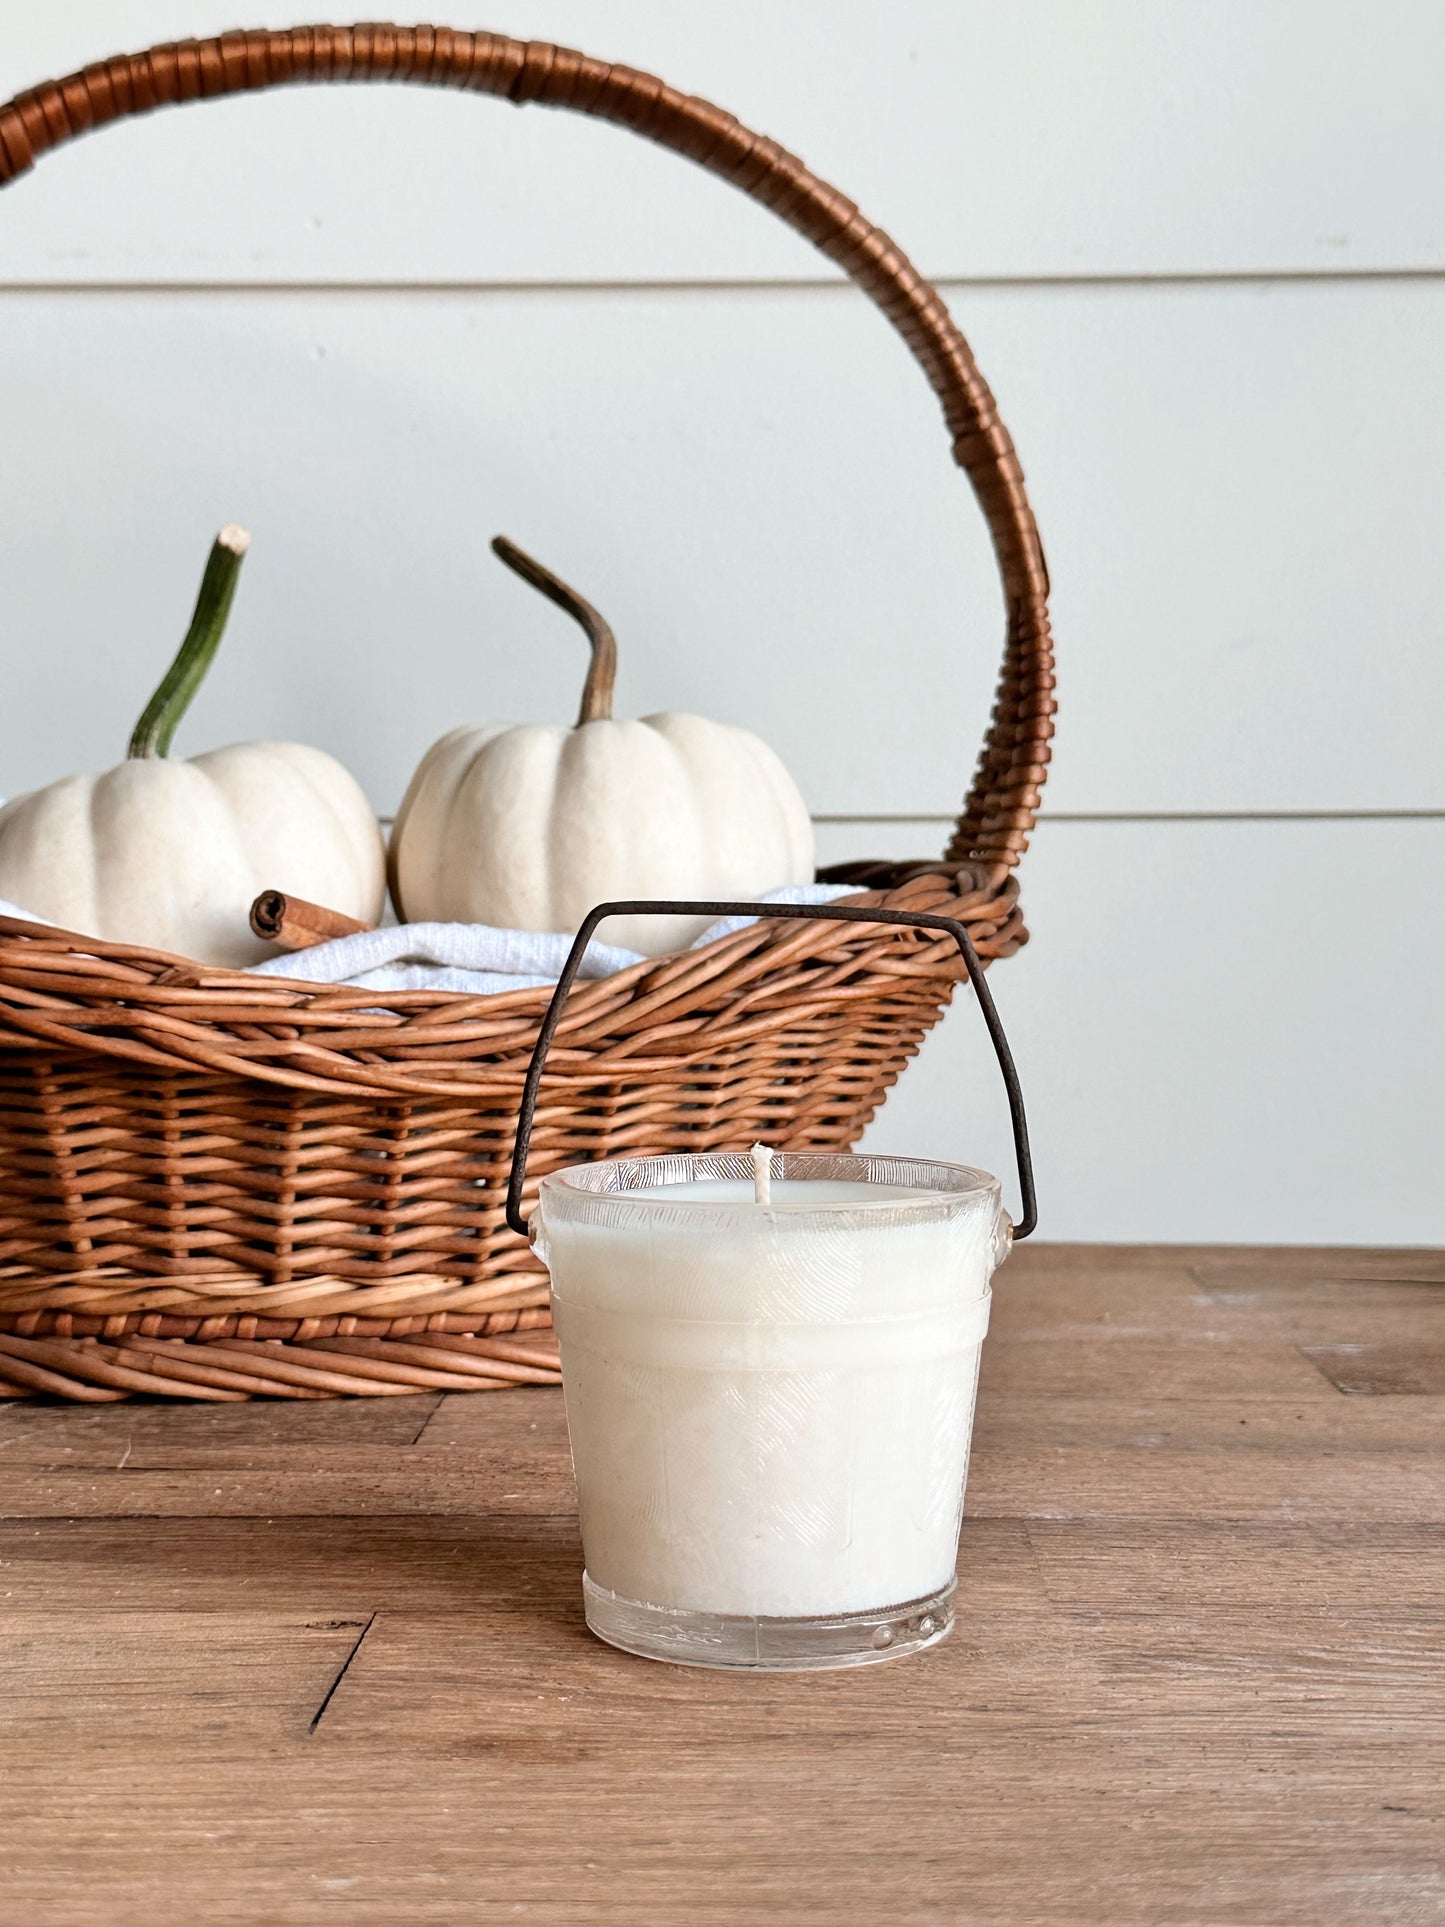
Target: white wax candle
x,y
770,1407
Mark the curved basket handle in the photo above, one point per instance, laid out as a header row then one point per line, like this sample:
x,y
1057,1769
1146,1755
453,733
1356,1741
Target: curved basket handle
x,y
998,815
806,912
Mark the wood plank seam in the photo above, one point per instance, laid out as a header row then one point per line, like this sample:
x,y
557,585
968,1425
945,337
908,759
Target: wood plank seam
x,y
330,1694
436,1407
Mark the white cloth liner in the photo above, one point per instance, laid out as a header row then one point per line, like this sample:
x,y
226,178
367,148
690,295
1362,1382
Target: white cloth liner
x,y
472,957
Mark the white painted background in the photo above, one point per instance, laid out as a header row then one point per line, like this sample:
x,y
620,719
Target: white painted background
x,y
1200,253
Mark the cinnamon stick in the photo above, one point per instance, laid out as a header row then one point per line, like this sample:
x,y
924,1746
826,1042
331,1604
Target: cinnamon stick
x,y
296,924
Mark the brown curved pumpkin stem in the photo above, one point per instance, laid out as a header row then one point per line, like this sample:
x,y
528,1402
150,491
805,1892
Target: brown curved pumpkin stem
x,y
597,690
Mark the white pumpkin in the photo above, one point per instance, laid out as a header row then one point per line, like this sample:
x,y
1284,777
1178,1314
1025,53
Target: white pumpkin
x,y
528,826
171,855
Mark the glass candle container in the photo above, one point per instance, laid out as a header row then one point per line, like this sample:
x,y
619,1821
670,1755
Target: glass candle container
x,y
770,1404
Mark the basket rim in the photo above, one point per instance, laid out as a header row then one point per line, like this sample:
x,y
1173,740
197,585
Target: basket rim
x,y
63,992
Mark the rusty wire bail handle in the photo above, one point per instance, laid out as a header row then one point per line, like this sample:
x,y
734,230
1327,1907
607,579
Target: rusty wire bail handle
x,y
796,912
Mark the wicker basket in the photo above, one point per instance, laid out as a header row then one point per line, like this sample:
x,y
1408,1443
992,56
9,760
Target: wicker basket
x,y
218,1186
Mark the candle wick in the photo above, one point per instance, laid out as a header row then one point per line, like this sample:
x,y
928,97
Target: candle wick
x,y
762,1158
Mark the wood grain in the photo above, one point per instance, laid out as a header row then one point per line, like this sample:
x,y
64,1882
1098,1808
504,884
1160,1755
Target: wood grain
x,y
1377,1337
294,1661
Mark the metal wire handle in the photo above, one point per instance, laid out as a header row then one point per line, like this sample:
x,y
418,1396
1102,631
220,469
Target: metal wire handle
x,y
823,912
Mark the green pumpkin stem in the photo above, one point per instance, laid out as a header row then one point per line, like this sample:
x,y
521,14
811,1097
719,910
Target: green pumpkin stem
x,y
153,733
597,690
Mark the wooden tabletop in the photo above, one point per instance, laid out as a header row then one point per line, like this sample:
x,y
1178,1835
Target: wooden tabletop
x,y
285,1664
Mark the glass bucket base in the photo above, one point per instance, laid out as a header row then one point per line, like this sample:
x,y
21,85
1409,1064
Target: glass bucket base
x,y
768,1645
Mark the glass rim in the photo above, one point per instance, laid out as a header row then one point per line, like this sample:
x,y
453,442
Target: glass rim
x,y
682,1167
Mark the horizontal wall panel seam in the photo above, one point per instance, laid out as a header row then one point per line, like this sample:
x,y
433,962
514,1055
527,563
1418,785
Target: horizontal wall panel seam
x,y
811,284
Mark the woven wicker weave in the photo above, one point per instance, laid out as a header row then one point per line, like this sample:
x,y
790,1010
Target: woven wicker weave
x,y
218,1186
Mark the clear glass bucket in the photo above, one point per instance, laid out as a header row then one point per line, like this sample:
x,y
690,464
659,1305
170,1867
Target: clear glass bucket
x,y
770,1405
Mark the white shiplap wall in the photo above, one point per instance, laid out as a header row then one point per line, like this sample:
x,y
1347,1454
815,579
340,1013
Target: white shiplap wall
x,y
1193,254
